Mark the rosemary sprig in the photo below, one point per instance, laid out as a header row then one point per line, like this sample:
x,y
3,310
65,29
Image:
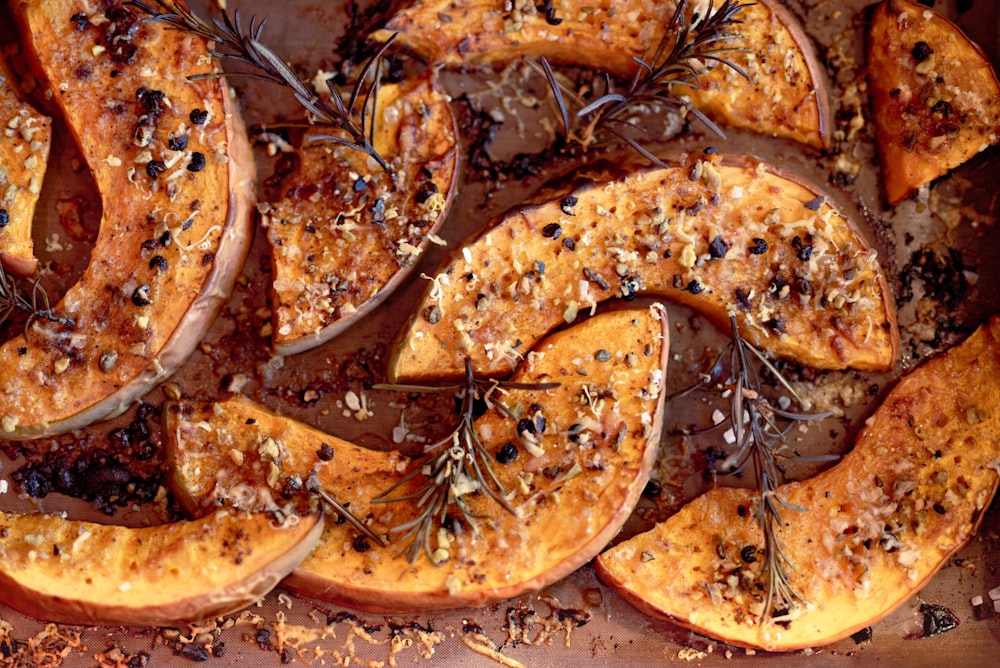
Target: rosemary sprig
x,y
232,43
313,486
455,466
759,430
676,62
34,301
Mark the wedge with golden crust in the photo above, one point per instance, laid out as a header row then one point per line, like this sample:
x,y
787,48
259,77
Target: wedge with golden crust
x,y
24,154
345,232
599,442
725,237
74,572
876,528
785,98
176,177
935,96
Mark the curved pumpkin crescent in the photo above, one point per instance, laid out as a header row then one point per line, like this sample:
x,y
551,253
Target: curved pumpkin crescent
x,y
599,442
786,96
72,572
931,114
345,233
24,154
176,177
724,237
876,528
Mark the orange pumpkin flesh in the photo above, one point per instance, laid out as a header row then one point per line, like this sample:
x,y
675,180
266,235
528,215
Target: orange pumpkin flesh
x,y
570,500
876,528
172,164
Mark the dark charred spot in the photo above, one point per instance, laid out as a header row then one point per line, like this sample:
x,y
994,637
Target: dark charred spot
x,y
427,188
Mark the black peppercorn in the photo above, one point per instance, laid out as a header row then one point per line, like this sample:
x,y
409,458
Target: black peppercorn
x,y
199,116
154,168
507,453
197,162
552,231
178,143
158,262
141,296
4,218
922,51
718,248
759,246
325,452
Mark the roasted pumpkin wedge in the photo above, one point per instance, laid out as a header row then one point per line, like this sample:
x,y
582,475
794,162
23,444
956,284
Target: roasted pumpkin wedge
x,y
24,154
176,177
62,570
345,232
722,236
876,528
785,98
935,96
572,490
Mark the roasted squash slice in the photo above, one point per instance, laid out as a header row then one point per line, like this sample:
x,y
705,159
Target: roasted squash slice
x,y
176,177
876,528
785,98
598,443
935,96
345,232
62,570
24,154
724,237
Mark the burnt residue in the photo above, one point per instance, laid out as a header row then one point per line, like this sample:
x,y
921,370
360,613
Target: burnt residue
x,y
942,274
126,469
937,619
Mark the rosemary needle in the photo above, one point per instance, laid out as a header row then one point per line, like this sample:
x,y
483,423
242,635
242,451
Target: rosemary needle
x,y
759,438
33,301
454,466
232,43
677,61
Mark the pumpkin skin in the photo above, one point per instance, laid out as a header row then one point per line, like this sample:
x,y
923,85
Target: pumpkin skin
x,y
176,177
74,572
220,452
877,526
24,155
935,105
785,98
720,242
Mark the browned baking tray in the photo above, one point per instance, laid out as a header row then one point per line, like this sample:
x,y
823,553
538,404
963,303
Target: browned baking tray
x,y
940,254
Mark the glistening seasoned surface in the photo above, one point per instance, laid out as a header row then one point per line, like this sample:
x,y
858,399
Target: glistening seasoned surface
x,y
785,96
24,154
935,95
876,528
173,168
62,570
572,492
345,232
724,237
